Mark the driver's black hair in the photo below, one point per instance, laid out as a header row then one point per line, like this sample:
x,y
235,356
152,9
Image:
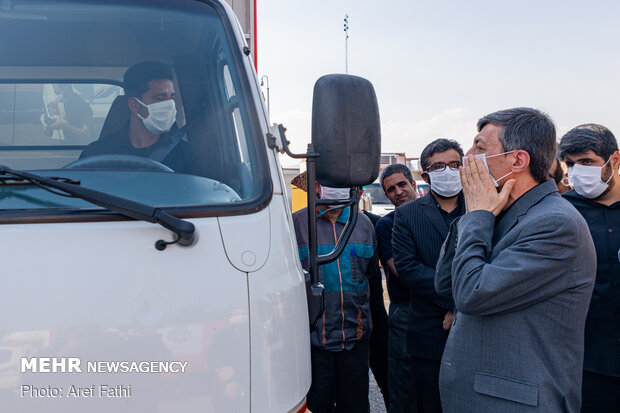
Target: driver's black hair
x,y
137,77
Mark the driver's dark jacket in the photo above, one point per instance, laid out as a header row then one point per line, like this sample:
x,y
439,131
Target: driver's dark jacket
x,y
180,159
346,319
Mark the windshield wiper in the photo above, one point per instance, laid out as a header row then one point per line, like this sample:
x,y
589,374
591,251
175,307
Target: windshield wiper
x,y
184,230
18,180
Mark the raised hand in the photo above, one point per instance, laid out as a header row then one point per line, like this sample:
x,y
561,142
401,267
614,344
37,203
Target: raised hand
x,y
478,188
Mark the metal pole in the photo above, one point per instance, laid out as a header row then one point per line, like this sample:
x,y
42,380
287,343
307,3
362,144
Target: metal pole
x,y
268,101
346,43
313,259
262,83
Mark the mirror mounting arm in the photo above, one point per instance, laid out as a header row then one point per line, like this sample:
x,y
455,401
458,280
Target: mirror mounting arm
x,y
309,154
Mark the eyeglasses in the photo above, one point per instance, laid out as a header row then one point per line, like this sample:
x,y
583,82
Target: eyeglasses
x,y
440,166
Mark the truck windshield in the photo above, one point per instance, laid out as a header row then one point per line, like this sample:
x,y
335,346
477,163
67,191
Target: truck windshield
x,y
141,101
377,194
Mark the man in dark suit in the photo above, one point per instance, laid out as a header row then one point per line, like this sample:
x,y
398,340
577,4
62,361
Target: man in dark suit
x,y
378,359
520,265
399,188
420,228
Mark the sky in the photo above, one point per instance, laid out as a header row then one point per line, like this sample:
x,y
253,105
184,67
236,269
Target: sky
x,y
437,66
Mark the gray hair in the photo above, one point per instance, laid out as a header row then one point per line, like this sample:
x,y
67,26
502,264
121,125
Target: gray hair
x,y
527,129
588,137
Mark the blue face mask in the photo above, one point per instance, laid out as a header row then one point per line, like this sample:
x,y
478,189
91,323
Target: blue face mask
x,y
484,158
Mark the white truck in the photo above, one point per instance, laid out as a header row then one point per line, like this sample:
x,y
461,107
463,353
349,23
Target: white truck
x,y
131,287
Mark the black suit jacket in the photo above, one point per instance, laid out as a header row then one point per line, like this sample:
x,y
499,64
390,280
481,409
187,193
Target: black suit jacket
x,y
419,231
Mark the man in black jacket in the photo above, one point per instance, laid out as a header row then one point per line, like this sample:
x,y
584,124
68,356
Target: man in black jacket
x,y
399,188
379,337
420,228
591,154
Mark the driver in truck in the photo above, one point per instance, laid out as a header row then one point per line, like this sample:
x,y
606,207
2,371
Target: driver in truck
x,y
150,131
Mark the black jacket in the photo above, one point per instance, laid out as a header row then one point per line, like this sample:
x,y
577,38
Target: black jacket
x,y
602,333
418,233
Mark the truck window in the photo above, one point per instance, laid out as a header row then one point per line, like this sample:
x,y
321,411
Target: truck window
x,y
61,94
376,192
31,113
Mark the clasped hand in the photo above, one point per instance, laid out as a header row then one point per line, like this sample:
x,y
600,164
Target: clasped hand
x,y
478,188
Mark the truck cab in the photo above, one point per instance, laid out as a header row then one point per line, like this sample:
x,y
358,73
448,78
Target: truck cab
x,y
218,323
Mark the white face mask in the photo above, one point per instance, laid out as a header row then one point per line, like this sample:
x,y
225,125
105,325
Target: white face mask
x,y
484,158
334,193
161,116
586,180
446,183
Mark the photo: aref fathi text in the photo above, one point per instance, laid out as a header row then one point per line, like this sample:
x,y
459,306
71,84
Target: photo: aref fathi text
x,y
95,390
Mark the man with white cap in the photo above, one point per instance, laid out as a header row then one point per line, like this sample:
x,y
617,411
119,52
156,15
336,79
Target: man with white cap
x,y
340,339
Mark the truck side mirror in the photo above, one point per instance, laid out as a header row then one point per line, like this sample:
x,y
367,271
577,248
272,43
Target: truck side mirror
x,y
346,131
344,153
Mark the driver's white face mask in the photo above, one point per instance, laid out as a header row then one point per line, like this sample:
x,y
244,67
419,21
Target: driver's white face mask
x,y
161,117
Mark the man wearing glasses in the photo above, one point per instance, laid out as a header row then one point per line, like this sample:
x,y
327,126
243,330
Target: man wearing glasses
x,y
420,228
